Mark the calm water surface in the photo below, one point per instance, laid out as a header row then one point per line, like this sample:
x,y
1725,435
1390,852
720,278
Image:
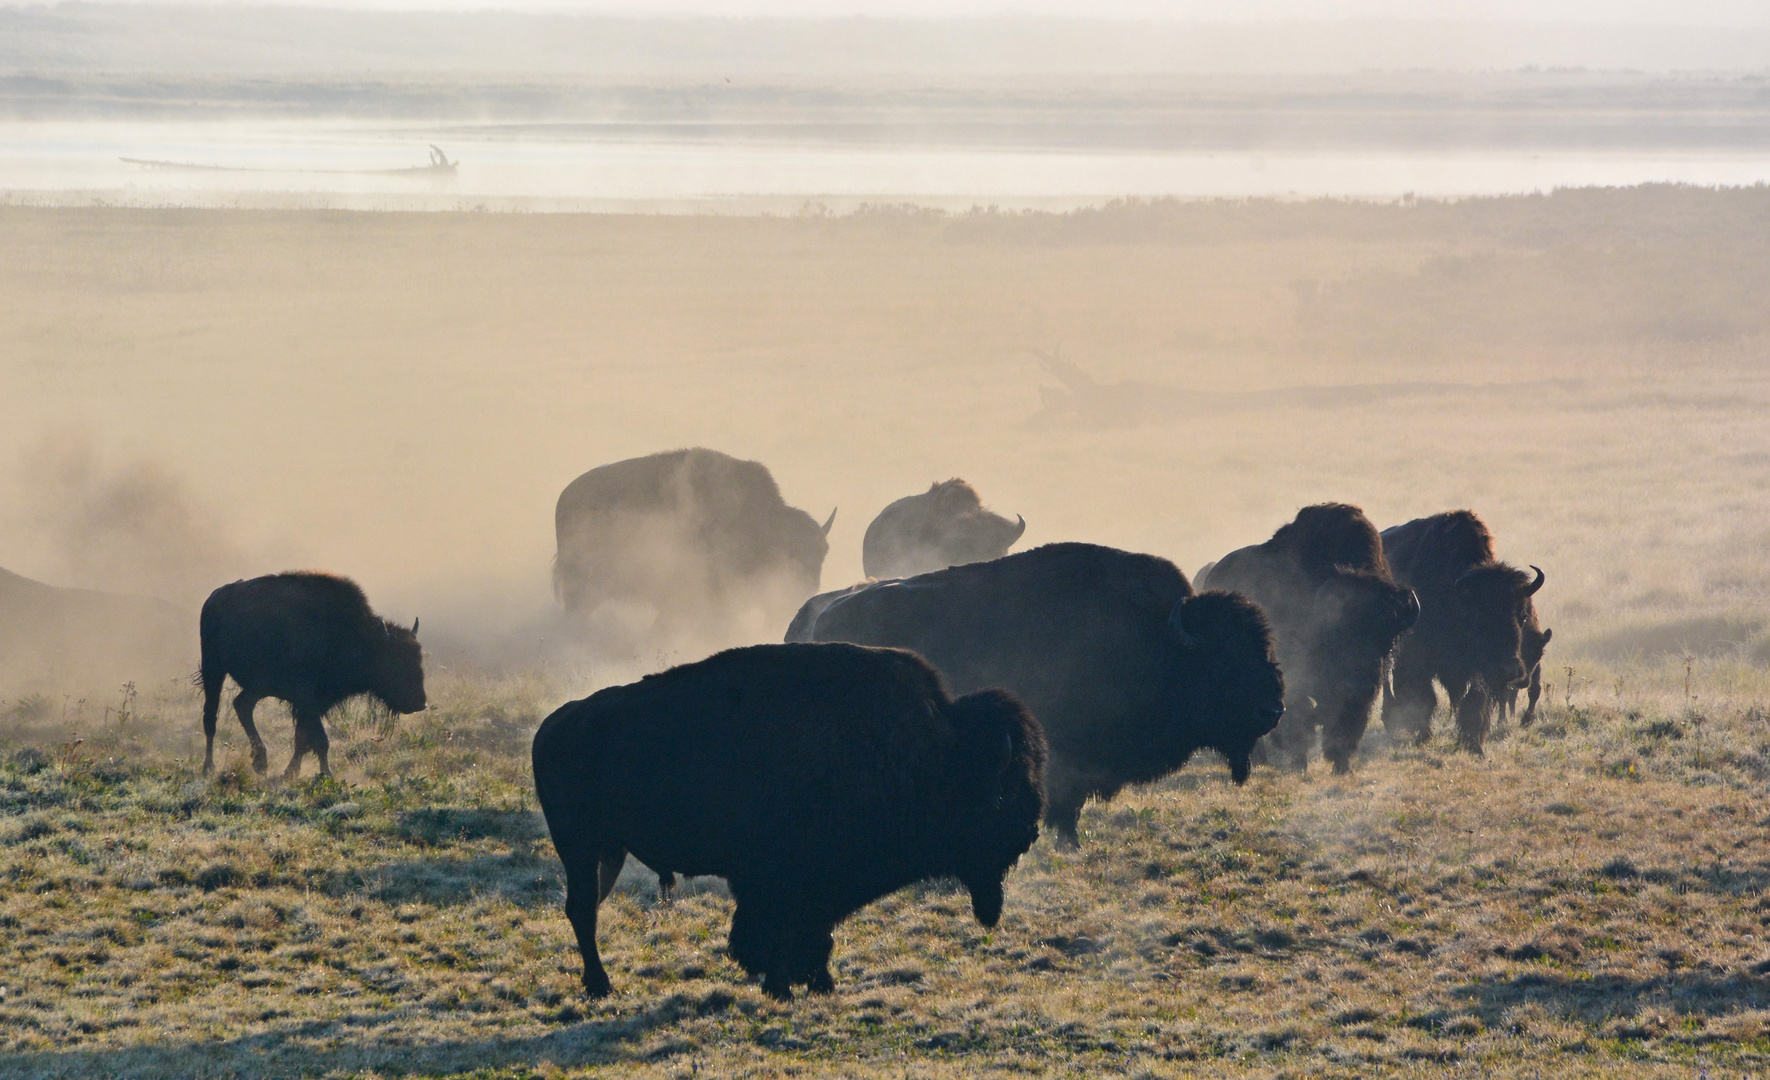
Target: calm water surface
x,y
310,163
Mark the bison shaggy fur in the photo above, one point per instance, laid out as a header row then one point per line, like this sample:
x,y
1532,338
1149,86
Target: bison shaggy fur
x,y
1336,614
311,640
813,778
1469,636
1128,670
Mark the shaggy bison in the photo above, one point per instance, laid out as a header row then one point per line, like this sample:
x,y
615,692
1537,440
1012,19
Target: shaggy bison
x,y
694,534
944,526
1469,635
311,640
1336,614
813,778
1128,670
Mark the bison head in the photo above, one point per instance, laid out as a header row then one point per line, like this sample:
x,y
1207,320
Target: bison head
x,y
1229,678
978,537
1492,599
1359,617
1001,779
804,544
397,668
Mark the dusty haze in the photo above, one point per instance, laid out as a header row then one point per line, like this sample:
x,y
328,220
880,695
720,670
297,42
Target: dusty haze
x,y
196,395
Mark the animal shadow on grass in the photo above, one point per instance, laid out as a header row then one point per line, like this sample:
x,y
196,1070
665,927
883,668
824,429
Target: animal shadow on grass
x,y
355,1044
1599,999
527,874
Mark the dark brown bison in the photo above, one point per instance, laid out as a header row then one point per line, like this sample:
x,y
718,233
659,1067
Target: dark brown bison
x,y
698,536
944,526
1128,670
1336,614
311,640
1469,635
1533,641
813,778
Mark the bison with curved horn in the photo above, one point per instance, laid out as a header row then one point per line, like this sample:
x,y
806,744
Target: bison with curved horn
x,y
700,537
311,640
1336,615
813,778
944,526
1469,636
1129,671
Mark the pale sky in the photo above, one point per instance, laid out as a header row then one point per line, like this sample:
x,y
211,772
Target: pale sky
x,y
1752,13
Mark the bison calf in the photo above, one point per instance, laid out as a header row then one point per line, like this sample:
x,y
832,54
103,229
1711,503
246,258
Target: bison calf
x,y
813,778
311,640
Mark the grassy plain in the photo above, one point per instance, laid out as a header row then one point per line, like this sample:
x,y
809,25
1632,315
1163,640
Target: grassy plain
x,y
400,397
1589,899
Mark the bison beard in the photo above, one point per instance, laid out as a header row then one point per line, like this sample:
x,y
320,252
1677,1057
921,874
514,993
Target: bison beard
x,y
1470,633
1336,614
813,778
1129,671
311,640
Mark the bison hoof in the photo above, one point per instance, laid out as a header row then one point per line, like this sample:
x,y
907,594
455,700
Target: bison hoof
x,y
1342,768
821,982
597,985
778,989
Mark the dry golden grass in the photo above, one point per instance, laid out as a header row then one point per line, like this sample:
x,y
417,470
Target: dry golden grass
x,y
1588,899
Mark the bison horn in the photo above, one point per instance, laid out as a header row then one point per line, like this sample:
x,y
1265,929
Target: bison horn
x,y
1538,583
1019,530
414,626
1412,610
829,521
1177,626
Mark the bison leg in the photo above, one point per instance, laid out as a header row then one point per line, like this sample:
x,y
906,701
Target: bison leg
x,y
1343,732
244,703
1474,713
1531,696
1407,710
608,871
310,734
211,711
747,942
584,891
1291,738
815,946
1066,794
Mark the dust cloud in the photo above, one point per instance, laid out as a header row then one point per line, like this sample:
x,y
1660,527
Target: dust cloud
x,y
129,526
422,387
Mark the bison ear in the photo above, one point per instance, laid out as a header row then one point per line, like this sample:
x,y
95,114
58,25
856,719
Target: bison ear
x,y
1547,634
1177,628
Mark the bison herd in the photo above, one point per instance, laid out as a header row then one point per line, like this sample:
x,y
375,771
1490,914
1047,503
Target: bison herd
x,y
922,723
